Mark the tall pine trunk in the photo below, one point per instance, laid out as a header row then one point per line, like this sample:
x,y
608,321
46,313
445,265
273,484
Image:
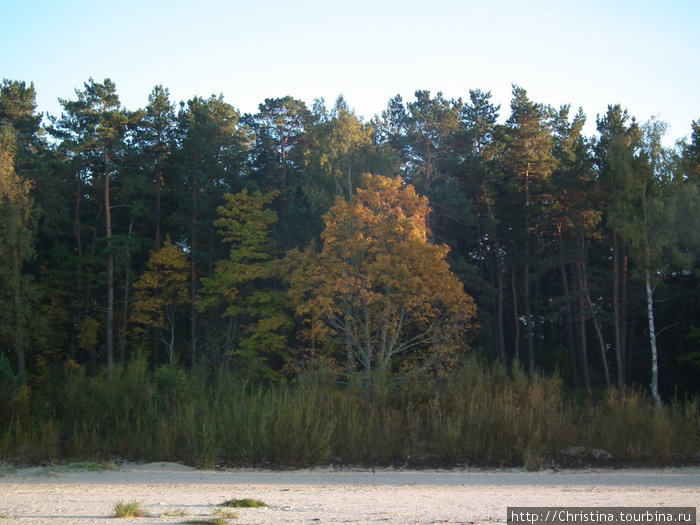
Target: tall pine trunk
x,y
125,307
109,339
19,317
617,311
528,317
193,279
516,319
159,189
582,329
500,335
569,318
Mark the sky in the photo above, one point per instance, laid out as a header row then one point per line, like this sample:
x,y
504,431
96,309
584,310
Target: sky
x,y
643,55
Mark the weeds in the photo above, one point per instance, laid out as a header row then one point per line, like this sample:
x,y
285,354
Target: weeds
x,y
476,415
243,503
175,513
129,509
226,514
206,521
92,466
86,466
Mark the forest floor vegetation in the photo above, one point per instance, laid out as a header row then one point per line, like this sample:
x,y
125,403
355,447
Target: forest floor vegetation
x,y
475,416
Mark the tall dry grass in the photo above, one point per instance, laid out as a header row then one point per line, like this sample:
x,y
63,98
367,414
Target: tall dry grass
x,y
477,415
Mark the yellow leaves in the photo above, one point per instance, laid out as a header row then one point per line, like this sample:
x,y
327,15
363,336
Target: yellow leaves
x,y
162,288
378,277
87,334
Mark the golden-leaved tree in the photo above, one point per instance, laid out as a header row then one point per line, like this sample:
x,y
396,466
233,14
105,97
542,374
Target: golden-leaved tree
x,y
161,292
379,288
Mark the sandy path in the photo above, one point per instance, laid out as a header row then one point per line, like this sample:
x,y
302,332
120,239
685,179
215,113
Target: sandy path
x,y
39,496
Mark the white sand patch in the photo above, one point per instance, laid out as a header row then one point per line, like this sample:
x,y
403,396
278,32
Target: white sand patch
x,y
331,495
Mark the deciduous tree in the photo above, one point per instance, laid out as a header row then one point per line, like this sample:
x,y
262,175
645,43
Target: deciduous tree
x,y
380,288
161,292
246,286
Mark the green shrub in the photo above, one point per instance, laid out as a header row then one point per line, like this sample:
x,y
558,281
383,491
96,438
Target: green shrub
x,y
129,509
243,503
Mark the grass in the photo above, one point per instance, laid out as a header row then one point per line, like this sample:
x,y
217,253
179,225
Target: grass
x,y
84,466
247,503
476,415
206,521
226,514
4,515
129,509
93,466
175,513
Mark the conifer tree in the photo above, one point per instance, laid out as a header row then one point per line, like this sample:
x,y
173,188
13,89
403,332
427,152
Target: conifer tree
x,y
17,219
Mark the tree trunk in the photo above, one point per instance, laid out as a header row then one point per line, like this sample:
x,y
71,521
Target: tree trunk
x,y
652,336
500,268
193,280
19,318
499,315
582,329
623,307
110,272
159,186
516,320
619,350
528,317
125,309
569,319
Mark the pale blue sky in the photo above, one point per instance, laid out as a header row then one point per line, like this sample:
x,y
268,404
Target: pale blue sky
x,y
590,53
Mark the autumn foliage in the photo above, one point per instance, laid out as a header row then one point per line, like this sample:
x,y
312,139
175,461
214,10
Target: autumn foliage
x,y
380,288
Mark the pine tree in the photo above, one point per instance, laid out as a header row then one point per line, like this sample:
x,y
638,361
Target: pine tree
x,y
92,129
17,220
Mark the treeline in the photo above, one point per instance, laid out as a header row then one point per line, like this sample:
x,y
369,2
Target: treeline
x,y
259,244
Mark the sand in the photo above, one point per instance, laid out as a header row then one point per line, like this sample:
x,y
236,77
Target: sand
x,y
327,495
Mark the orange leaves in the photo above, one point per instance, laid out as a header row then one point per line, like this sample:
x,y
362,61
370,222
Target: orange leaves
x,y
378,282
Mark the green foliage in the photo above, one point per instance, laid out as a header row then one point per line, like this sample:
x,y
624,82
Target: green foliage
x,y
419,420
534,220
17,224
692,357
224,513
129,509
93,466
161,291
246,286
243,503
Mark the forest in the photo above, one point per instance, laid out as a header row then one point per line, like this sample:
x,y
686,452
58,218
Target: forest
x,y
301,286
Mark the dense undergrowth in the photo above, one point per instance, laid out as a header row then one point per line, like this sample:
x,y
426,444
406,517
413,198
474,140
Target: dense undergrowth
x,y
477,416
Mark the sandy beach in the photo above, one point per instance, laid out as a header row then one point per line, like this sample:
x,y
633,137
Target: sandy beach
x,y
326,495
